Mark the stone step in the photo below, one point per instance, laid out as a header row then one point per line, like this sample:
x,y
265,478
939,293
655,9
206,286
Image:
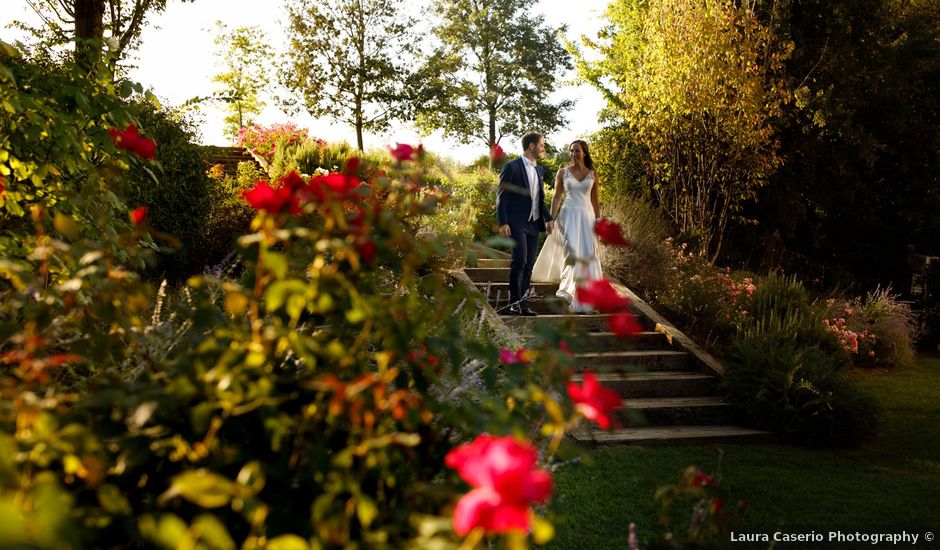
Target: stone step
x,y
501,290
492,263
657,384
608,341
488,274
675,411
671,435
632,361
585,322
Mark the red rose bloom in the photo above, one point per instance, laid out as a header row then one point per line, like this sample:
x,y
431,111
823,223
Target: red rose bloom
x,y
403,152
623,324
130,140
594,401
610,232
497,153
138,215
601,295
502,472
272,200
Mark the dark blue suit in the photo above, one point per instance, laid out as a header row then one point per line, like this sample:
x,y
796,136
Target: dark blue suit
x,y
513,207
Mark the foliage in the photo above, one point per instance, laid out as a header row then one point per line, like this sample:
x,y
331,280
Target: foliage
x,y
178,199
492,72
347,60
859,142
329,380
792,388
56,152
229,216
877,330
263,141
710,303
646,266
703,113
707,525
620,159
245,57
118,21
477,189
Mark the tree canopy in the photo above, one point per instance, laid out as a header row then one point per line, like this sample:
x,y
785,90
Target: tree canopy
x,y
347,60
492,72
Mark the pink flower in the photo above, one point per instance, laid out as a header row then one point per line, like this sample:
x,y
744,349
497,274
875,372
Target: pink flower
x,y
403,152
610,232
602,295
138,215
502,472
507,357
701,479
623,324
132,141
594,401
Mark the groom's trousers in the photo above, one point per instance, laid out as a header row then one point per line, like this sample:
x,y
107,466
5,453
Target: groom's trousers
x,y
523,259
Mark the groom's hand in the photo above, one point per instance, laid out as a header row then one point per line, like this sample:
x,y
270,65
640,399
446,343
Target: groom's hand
x,y
550,226
504,230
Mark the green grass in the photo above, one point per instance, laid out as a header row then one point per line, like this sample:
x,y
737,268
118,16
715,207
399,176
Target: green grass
x,y
890,483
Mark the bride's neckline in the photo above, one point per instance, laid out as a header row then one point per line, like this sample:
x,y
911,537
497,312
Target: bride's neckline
x,y
576,178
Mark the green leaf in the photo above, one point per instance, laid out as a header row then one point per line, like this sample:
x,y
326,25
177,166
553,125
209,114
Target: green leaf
x,y
277,294
112,500
287,542
212,532
366,510
276,263
201,487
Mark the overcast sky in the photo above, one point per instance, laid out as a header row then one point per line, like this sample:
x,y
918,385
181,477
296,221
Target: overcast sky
x,y
176,61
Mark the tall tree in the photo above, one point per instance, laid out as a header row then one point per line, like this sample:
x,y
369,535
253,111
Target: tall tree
x,y
348,60
492,72
88,22
246,58
698,84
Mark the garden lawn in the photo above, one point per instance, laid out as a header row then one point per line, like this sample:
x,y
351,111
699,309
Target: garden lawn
x,y
887,484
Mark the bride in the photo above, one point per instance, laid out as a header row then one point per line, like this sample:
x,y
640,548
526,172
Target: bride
x,y
569,254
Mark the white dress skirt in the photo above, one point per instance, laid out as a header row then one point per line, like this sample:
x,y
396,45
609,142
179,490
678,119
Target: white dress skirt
x,y
572,239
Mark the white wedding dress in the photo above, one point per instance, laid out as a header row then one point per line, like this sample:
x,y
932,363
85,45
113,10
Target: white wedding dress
x,y
573,238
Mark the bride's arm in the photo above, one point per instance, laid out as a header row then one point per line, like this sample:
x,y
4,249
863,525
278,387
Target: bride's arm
x,y
559,191
595,202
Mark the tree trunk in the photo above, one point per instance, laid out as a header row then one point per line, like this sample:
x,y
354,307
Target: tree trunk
x,y
89,31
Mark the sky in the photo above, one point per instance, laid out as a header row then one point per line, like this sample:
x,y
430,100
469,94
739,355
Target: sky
x,y
177,61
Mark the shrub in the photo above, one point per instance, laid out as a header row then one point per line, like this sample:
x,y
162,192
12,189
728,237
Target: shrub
x,y
178,199
477,189
694,513
229,215
645,265
877,330
620,161
264,141
792,388
309,403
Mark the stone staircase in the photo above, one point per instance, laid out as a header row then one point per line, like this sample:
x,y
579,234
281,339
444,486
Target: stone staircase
x,y
667,383
228,157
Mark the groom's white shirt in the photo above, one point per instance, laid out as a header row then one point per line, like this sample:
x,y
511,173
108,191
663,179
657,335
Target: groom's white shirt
x,y
534,214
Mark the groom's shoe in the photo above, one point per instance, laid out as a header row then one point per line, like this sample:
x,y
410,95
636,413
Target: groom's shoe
x,y
526,312
515,310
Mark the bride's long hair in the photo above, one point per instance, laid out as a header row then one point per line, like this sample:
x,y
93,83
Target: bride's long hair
x,y
587,154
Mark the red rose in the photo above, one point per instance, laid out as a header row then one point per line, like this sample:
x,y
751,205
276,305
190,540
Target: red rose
x,y
610,232
138,215
272,200
403,152
601,295
623,324
502,472
130,140
594,401
497,153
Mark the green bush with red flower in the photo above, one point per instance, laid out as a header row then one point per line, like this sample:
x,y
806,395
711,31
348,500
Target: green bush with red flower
x,y
311,402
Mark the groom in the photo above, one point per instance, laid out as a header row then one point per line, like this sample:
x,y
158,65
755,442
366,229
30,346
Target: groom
x,y
522,215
